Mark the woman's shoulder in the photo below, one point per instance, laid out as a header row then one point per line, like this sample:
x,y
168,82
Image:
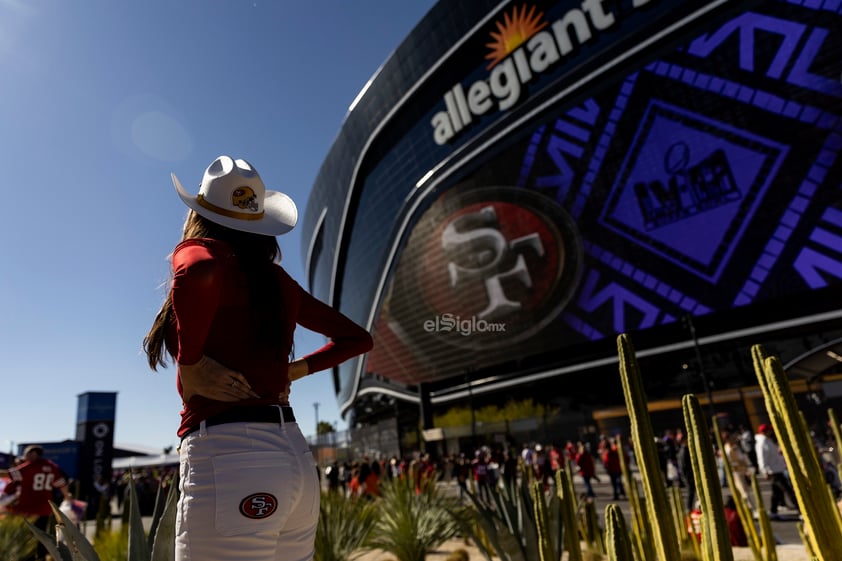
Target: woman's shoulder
x,y
217,247
203,248
200,254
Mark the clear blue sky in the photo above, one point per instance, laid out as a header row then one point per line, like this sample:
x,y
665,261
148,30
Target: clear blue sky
x,y
101,100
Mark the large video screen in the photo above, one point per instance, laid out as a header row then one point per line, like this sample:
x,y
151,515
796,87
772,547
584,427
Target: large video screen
x,y
706,182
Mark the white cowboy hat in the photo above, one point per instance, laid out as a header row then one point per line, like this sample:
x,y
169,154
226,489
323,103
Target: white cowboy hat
x,y
233,195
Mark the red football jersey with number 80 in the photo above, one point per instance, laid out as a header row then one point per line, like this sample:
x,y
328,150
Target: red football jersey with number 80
x,y
36,481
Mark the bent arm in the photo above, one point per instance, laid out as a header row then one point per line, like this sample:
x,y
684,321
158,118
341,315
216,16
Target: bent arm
x,y
347,339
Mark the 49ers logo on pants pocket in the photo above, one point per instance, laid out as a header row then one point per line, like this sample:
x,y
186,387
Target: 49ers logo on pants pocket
x,y
258,505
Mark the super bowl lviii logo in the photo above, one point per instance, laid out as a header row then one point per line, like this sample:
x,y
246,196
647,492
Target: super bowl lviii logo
x,y
686,173
497,266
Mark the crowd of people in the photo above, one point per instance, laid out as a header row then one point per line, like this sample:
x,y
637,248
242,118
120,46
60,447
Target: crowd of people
x,y
485,468
747,453
480,471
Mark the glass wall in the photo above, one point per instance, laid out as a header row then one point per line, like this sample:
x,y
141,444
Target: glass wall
x,y
502,215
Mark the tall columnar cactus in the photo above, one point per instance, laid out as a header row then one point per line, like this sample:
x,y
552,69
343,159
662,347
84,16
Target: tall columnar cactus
x,y
716,542
592,533
546,548
743,507
837,435
654,486
767,546
569,510
686,540
617,539
641,524
821,515
679,514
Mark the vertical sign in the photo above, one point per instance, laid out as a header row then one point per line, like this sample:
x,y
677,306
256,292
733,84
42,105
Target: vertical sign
x,y
95,430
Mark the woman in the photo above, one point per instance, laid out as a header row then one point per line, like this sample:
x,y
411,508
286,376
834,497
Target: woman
x,y
249,487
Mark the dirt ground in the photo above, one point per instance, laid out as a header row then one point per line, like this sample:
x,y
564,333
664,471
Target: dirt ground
x,y
449,551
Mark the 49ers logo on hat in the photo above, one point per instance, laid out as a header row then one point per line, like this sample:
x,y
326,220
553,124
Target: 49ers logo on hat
x,y
245,198
259,505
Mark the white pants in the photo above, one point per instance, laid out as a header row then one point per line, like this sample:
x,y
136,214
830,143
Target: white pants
x,y
249,491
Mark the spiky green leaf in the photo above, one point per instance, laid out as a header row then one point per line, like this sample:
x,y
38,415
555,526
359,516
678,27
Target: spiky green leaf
x,y
162,534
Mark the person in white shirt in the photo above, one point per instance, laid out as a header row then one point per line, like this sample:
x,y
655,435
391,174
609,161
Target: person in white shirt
x,y
771,464
740,465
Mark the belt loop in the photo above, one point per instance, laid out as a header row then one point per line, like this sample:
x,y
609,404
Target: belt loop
x,y
203,428
280,414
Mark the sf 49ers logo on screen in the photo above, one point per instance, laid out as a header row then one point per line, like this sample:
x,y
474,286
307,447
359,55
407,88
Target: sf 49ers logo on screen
x,y
258,505
477,250
499,257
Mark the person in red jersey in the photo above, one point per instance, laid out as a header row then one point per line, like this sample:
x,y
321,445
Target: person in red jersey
x,y
587,467
34,482
248,484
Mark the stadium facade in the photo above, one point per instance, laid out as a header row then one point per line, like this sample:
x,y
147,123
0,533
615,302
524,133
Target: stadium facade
x,y
522,181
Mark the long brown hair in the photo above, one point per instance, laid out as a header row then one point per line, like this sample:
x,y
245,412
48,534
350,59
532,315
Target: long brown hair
x,y
256,255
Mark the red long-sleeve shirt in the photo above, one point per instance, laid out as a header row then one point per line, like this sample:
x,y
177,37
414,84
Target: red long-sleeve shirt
x,y
584,460
212,317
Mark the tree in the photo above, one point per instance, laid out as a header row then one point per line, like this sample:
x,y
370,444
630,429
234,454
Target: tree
x,y
511,411
324,428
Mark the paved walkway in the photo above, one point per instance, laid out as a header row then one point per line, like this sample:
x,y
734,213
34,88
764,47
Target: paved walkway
x,y
449,552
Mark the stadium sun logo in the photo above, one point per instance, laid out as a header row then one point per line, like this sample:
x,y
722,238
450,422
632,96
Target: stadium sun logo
x,y
513,32
523,47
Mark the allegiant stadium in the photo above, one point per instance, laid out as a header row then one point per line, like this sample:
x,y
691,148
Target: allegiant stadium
x,y
520,182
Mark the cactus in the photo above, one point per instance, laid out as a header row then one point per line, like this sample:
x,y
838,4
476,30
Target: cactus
x,y
686,540
617,540
641,524
767,542
716,542
679,515
569,508
592,533
743,507
837,435
654,486
546,548
823,524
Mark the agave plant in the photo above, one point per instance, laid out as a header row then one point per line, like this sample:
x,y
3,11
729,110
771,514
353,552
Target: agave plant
x,y
411,524
521,524
345,525
498,530
16,541
70,544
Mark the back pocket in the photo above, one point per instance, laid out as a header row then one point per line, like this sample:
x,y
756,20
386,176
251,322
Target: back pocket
x,y
251,496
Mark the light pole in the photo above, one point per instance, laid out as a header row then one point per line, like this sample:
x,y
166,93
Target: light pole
x,y
473,412
688,320
316,407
